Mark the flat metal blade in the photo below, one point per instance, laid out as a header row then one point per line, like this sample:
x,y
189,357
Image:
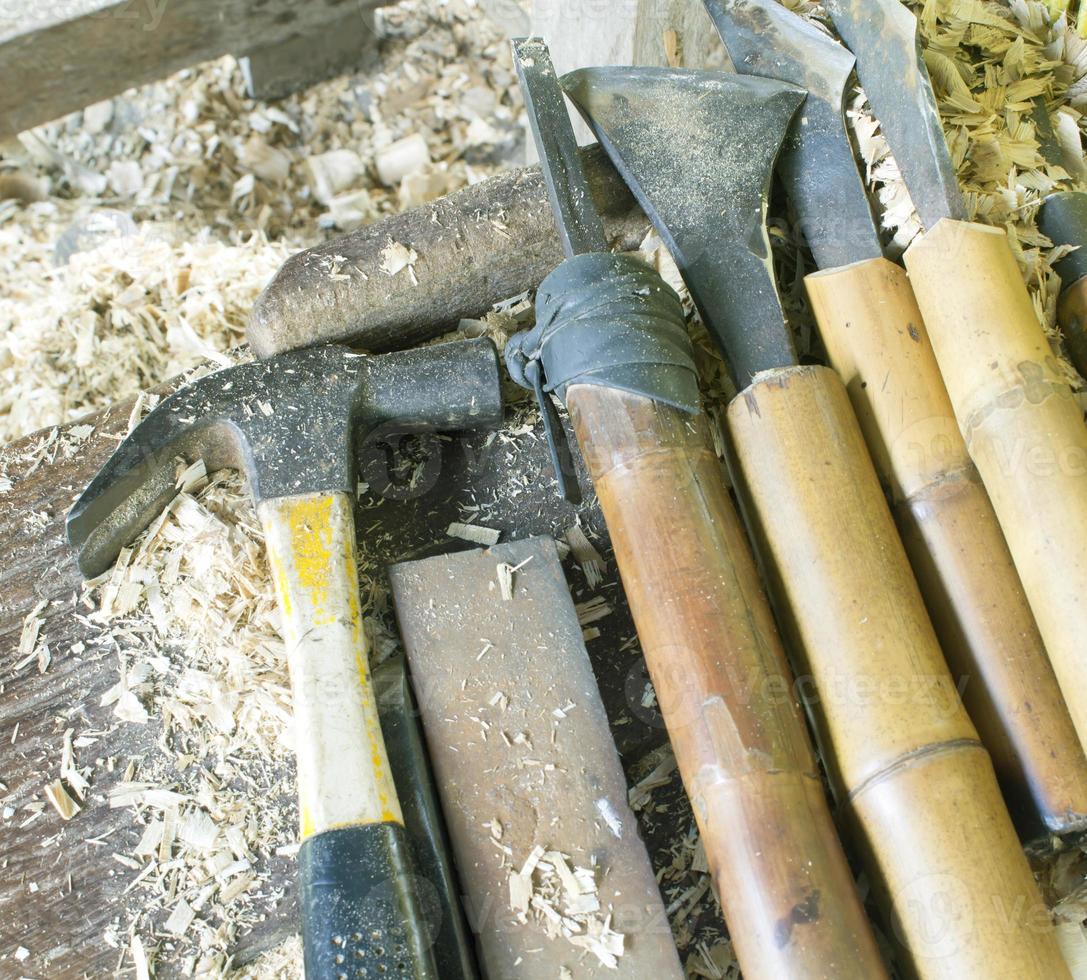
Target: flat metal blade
x,y
816,162
581,229
882,34
697,149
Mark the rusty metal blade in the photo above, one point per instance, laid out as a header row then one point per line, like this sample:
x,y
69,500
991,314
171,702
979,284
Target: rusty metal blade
x,y
882,34
816,162
698,149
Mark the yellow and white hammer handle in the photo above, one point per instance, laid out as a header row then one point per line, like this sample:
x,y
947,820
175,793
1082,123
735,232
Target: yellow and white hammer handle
x,y
361,913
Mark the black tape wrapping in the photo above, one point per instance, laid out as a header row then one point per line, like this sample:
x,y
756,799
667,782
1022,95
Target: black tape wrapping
x,y
607,320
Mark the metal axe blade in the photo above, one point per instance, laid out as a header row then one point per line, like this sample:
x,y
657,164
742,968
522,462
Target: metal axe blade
x,y
698,150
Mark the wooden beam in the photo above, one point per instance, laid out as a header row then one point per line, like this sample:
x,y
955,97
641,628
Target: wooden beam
x,y
58,56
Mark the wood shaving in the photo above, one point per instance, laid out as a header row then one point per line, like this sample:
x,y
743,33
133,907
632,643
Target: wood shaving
x,y
563,901
587,557
487,536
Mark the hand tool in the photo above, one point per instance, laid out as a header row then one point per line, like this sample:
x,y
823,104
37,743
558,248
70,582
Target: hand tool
x,y
877,343
611,338
1022,426
911,777
289,424
437,883
554,782
1063,219
474,248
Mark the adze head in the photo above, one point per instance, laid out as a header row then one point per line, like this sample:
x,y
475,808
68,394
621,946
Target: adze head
x,y
882,34
697,148
817,164
290,423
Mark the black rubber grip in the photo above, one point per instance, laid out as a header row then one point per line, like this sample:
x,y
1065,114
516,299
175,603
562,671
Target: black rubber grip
x,y
363,911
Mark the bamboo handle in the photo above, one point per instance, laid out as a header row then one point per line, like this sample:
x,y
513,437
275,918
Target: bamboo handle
x,y
876,341
724,689
1072,316
359,905
911,775
1021,424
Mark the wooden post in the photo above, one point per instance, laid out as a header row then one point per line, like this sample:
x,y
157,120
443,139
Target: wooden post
x,y
342,46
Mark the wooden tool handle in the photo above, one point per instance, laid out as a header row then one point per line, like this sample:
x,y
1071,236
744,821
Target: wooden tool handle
x,y
724,688
910,772
876,340
1022,426
1072,316
356,870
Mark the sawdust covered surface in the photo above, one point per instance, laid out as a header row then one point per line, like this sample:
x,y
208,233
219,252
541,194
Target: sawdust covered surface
x,y
182,198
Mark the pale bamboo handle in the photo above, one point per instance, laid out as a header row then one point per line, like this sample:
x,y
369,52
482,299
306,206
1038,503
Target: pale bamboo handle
x,y
910,772
877,342
1072,316
357,875
1022,426
724,689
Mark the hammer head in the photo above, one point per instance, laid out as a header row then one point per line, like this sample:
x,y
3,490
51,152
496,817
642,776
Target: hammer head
x,y
290,423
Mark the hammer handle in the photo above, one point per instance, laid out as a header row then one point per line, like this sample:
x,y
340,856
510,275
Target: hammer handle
x,y
724,689
908,769
1022,427
360,907
877,342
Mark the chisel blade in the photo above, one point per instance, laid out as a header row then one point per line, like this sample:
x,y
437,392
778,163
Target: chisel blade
x,y
882,34
816,163
580,226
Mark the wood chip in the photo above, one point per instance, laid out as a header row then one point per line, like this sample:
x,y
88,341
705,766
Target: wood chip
x,y
62,802
486,536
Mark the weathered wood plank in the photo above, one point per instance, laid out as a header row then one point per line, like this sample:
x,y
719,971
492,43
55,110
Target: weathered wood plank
x,y
61,55
346,45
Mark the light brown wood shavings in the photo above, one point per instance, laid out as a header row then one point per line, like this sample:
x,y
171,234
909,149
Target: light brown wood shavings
x,y
562,899
592,610
990,63
129,314
200,180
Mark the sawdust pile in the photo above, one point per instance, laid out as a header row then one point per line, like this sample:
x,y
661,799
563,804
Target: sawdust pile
x,y
140,230
191,607
124,316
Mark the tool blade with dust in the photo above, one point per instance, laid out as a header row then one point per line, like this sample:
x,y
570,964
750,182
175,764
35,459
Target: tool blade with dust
x,y
882,34
817,163
580,226
709,202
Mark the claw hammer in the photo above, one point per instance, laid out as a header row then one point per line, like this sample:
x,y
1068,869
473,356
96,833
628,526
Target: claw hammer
x,y
291,423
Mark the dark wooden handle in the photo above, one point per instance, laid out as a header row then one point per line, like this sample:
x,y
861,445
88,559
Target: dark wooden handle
x,y
725,690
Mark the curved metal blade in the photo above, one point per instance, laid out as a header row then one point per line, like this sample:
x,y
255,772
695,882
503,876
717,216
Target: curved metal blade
x,y
580,227
816,160
882,34
698,149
